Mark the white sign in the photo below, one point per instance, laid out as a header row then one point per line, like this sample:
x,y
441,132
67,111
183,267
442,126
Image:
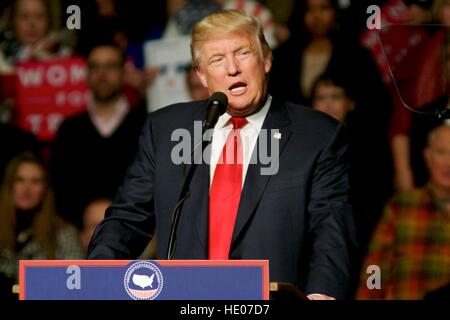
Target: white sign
x,y
171,57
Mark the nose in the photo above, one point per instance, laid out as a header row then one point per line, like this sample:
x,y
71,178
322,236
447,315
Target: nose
x,y
233,66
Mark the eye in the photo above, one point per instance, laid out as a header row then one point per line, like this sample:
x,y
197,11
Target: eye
x,y
216,60
244,52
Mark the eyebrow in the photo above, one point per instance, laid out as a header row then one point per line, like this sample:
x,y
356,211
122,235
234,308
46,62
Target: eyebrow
x,y
243,47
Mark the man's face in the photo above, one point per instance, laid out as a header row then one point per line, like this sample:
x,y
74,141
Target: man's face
x,y
232,64
437,157
444,13
105,74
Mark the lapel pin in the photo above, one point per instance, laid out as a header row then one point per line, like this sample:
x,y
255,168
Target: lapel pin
x,y
277,135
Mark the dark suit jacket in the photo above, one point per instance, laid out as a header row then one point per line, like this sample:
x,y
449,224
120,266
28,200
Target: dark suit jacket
x,y
300,219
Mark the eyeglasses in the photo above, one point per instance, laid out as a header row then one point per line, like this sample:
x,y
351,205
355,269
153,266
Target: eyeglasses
x,y
109,66
335,96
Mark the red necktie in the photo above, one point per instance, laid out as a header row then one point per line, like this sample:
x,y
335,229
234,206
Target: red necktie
x,y
225,193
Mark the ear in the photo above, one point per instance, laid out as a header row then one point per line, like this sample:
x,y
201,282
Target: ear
x,y
427,156
268,63
202,76
351,105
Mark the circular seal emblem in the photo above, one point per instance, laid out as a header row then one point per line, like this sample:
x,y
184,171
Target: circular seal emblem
x,y
143,281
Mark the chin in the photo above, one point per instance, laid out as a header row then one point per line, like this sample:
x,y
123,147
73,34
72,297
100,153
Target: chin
x,y
25,207
241,104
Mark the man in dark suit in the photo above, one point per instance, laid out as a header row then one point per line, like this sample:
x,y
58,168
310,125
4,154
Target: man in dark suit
x,y
296,213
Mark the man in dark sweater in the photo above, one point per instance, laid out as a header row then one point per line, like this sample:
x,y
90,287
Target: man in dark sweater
x,y
93,149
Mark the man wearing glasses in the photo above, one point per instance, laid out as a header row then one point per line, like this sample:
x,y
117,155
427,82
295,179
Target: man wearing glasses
x,y
93,149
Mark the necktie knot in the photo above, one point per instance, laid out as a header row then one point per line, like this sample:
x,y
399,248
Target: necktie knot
x,y
238,122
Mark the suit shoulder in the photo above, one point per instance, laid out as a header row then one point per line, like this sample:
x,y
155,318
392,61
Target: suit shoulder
x,y
305,116
177,110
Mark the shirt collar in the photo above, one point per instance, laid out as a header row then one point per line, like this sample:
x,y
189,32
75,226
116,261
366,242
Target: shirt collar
x,y
255,120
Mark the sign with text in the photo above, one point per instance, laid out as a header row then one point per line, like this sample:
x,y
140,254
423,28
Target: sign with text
x,y
47,92
395,39
144,280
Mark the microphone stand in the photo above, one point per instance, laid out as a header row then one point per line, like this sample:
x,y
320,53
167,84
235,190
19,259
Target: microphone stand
x,y
216,106
184,194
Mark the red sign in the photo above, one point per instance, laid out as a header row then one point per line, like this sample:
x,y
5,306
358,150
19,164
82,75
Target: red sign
x,y
394,40
47,92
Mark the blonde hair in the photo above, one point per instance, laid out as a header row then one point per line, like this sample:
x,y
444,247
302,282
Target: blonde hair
x,y
45,224
226,22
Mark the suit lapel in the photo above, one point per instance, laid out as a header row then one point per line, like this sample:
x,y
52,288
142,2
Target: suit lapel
x,y
255,182
199,188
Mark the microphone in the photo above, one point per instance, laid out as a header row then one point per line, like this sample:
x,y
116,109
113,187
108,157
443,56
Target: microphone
x,y
444,113
217,105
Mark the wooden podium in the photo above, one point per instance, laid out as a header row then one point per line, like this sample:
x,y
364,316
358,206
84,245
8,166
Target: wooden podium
x,y
286,292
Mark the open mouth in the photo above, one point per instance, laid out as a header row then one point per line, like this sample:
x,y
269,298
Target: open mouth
x,y
238,88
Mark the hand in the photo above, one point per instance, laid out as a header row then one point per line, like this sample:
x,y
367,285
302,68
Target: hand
x,y
318,296
46,47
403,180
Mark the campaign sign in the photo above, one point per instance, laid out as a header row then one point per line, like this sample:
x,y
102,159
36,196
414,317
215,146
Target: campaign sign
x,y
47,92
171,58
144,280
395,40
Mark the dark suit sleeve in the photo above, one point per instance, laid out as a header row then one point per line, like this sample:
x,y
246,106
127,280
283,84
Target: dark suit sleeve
x,y
331,222
130,222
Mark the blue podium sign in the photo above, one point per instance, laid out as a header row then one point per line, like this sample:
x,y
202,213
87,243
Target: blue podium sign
x,y
144,280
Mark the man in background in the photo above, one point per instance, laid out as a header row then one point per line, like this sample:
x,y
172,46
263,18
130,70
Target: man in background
x,y
93,149
411,244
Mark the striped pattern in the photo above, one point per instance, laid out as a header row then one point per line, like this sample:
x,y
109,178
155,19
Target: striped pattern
x,y
411,245
143,294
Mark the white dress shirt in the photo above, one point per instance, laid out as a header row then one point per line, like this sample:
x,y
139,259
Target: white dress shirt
x,y
249,135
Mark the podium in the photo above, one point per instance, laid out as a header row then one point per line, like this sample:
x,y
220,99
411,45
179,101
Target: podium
x,y
143,280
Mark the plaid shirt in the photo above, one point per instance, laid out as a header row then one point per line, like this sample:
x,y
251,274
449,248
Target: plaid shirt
x,y
411,245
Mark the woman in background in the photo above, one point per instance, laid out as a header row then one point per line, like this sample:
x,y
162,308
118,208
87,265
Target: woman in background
x,y
31,35
367,157
29,226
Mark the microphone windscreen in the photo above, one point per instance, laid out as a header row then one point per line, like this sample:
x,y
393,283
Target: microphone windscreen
x,y
221,99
